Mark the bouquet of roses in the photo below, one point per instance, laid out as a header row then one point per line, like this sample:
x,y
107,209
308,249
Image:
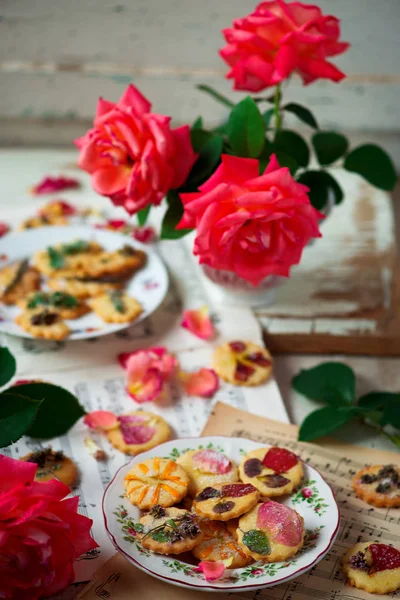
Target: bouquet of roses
x,y
246,186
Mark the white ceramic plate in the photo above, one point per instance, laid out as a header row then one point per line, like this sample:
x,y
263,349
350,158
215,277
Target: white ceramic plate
x,y
317,506
148,286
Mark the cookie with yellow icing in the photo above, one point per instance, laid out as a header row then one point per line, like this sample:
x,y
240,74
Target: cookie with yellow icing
x,y
273,471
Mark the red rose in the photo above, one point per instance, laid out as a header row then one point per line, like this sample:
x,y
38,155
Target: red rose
x,y
133,155
278,39
41,534
252,225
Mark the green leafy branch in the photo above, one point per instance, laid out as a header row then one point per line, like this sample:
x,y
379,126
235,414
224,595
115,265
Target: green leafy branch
x,y
334,384
40,410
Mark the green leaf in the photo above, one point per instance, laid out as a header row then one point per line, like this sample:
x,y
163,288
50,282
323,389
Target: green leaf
x,y
216,95
391,414
293,144
386,403
160,536
172,217
17,414
377,400
302,113
323,421
8,366
321,184
75,247
267,115
285,160
374,164
117,300
171,523
209,156
256,541
143,215
246,129
199,137
59,409
198,124
329,146
56,258
332,382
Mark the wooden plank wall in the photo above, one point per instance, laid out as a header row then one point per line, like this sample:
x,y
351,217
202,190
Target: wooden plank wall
x,y
58,56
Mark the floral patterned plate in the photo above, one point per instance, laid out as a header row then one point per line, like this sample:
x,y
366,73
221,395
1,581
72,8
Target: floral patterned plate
x,y
149,285
314,500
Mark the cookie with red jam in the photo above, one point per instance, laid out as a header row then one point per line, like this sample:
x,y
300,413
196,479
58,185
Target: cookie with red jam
x,y
242,363
374,568
222,502
273,471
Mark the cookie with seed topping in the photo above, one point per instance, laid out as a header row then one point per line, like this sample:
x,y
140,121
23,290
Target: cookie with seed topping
x,y
223,502
43,323
218,544
169,530
372,567
53,465
17,280
242,363
273,471
139,431
378,485
116,307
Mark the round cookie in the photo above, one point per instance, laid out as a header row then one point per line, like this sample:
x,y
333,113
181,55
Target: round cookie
x,y
273,471
169,530
126,259
139,431
271,532
116,307
374,568
222,502
42,221
65,260
43,323
81,288
378,485
17,280
66,305
53,465
242,363
207,467
218,544
156,481
232,526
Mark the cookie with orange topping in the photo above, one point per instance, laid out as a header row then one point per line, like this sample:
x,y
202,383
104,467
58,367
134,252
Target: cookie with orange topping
x,y
242,363
218,544
169,530
372,567
156,481
273,471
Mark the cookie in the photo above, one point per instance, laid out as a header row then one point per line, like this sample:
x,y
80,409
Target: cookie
x,y
273,471
139,431
156,481
169,530
68,306
116,307
218,544
374,568
17,280
242,363
271,532
378,485
222,502
232,526
207,467
125,260
43,323
53,465
42,221
65,260
81,288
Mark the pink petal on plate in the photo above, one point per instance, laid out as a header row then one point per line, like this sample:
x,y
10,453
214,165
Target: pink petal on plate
x,y
146,235
102,420
199,323
212,570
168,364
146,389
203,383
49,185
4,228
157,351
134,433
282,522
211,461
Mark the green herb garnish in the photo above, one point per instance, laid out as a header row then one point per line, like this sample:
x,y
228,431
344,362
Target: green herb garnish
x,y
256,541
62,299
56,258
117,301
160,536
75,247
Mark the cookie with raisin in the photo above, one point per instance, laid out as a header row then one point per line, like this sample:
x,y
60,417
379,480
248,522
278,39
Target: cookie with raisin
x,y
271,532
43,323
223,502
139,431
53,465
372,567
169,530
378,485
273,471
116,306
67,305
218,544
207,467
242,363
17,280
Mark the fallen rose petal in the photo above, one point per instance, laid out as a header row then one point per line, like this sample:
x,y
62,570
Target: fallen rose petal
x,y
212,570
146,389
102,420
134,433
158,351
49,185
199,323
283,523
203,383
146,235
4,228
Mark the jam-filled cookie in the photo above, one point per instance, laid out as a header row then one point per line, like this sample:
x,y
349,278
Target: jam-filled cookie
x,y
374,568
139,431
43,323
378,485
271,532
242,363
169,530
65,260
222,502
17,280
207,467
83,288
218,544
156,481
273,471
67,305
42,221
125,260
53,465
116,307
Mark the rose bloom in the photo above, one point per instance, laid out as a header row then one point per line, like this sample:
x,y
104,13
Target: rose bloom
x,y
132,154
249,224
41,533
278,39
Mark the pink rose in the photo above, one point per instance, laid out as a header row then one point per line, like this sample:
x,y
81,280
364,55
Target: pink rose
x,y
307,492
41,533
278,39
133,155
252,225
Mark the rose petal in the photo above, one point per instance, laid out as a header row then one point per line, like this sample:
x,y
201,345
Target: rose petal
x,y
281,521
134,433
158,351
147,389
4,228
211,461
102,420
203,383
146,235
212,570
199,323
49,185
